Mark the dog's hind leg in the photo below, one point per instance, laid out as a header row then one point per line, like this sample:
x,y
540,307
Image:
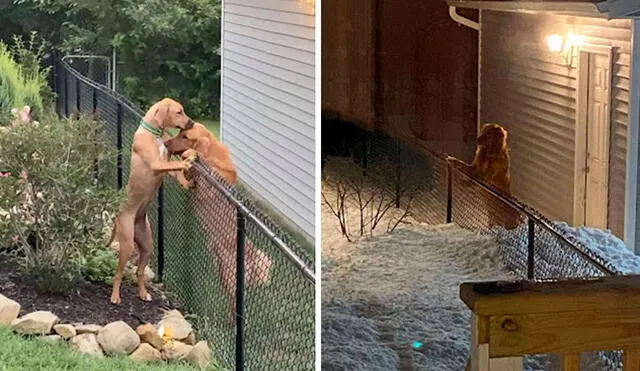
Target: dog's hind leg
x,y
144,239
124,235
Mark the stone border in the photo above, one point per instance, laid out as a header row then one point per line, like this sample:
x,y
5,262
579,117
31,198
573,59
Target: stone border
x,y
171,339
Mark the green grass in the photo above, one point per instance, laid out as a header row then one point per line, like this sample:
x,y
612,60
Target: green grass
x,y
213,125
19,353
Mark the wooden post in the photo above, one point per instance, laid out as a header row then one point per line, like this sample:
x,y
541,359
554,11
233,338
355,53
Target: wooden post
x,y
631,359
479,343
571,362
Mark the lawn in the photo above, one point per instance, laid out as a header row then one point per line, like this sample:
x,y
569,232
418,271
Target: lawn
x,y
19,353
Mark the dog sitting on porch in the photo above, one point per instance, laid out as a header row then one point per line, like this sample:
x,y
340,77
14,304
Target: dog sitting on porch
x,y
491,165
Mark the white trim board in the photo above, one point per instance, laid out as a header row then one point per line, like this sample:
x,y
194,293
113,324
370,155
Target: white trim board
x,y
631,186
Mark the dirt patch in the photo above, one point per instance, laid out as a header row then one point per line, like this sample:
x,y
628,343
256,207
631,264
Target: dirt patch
x,y
87,303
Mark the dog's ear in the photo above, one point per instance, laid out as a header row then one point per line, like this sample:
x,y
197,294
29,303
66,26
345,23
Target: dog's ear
x,y
161,113
202,145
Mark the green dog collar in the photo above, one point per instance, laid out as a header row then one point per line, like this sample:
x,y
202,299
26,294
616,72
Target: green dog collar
x,y
155,131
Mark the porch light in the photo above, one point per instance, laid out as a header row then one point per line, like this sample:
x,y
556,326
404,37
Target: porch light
x,y
555,43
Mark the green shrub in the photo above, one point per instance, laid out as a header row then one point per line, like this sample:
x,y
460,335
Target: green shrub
x,y
16,89
30,56
54,210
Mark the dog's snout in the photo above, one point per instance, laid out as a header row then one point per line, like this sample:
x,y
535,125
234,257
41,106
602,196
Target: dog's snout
x,y
189,124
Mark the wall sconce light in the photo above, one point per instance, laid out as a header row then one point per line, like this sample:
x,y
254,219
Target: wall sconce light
x,y
563,45
555,43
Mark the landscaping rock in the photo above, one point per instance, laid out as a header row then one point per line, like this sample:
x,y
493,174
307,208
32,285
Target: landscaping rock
x,y
172,313
52,338
131,275
176,351
146,353
88,329
35,323
200,355
149,334
9,310
191,339
87,344
118,337
66,331
178,326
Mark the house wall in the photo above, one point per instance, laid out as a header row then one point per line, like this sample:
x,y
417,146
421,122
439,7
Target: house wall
x,y
348,60
268,102
528,90
428,74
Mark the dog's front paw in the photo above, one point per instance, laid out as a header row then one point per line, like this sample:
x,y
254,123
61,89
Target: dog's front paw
x,y
186,184
189,155
186,165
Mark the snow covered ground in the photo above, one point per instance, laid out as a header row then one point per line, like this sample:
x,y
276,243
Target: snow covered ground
x,y
391,302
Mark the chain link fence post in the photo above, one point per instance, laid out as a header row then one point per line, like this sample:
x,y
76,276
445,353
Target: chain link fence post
x,y
160,232
119,142
241,234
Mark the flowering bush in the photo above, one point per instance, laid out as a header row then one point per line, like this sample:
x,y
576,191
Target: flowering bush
x,y
55,207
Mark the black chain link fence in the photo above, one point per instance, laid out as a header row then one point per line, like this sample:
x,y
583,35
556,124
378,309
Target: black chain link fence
x,y
435,192
260,319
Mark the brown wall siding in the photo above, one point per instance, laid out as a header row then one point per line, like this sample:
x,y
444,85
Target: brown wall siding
x,y
427,70
348,51
429,73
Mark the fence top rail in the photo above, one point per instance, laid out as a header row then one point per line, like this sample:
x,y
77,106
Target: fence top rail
x,y
282,246
103,88
204,170
533,214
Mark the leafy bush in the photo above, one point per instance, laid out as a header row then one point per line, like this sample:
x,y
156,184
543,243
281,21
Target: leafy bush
x,y
16,89
54,211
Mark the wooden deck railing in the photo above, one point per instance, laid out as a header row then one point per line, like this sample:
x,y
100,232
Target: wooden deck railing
x,y
566,317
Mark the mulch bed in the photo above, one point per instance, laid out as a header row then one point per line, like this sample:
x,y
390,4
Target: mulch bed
x,y
87,303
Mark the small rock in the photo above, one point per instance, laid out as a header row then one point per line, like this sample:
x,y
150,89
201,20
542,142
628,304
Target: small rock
x,y
191,339
176,351
87,344
131,273
52,338
172,313
35,323
66,331
88,329
200,355
9,310
118,337
178,326
149,334
146,353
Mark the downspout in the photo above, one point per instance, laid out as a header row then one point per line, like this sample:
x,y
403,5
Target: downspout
x,y
462,20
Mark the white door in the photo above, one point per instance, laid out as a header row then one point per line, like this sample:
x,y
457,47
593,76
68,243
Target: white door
x,y
597,138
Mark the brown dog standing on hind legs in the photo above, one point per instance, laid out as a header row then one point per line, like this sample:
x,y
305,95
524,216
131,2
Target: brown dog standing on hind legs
x,y
217,214
149,164
492,166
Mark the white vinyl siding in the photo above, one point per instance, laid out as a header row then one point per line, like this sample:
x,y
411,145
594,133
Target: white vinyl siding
x,y
268,102
527,89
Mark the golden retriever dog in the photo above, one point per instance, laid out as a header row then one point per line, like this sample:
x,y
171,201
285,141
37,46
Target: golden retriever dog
x,y
491,165
149,164
217,214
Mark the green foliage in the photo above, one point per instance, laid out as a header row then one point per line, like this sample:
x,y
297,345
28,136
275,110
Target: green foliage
x,y
97,264
30,55
53,211
164,48
16,88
